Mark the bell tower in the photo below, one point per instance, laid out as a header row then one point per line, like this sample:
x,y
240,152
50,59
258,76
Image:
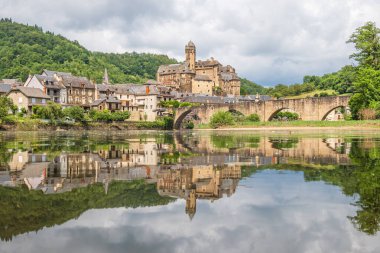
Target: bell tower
x,y
190,52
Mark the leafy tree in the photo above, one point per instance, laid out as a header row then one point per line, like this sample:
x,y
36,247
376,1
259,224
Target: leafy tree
x,y
74,112
253,117
6,105
51,111
367,95
221,119
367,43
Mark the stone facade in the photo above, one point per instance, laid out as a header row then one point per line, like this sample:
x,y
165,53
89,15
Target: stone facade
x,y
64,88
185,77
26,98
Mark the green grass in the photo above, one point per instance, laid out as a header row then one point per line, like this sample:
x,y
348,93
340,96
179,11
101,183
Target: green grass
x,y
312,93
349,123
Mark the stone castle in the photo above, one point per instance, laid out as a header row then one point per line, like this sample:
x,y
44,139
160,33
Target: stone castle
x,y
199,77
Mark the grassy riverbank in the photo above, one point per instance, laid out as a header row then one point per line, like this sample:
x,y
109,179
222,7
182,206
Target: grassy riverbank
x,y
300,124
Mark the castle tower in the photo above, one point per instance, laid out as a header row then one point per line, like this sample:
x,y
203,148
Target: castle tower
x,y
190,52
191,204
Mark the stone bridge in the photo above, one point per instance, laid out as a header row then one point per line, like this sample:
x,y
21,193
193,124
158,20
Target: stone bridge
x,y
307,108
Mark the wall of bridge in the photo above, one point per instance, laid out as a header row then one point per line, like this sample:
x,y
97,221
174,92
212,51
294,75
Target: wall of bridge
x,y
307,108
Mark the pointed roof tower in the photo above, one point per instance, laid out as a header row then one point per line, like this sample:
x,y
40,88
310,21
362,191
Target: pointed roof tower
x,y
105,77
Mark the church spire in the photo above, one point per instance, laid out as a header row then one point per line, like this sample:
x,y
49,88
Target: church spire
x,y
105,77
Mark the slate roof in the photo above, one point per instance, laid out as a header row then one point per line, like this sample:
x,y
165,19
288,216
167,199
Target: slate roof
x,y
107,99
49,81
136,89
77,82
30,92
5,88
227,76
207,63
174,68
51,73
105,87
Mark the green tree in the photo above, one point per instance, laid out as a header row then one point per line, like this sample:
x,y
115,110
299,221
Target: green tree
x,y
367,91
367,44
221,119
6,106
75,112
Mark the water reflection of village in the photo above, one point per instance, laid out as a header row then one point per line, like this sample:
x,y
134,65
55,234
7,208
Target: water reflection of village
x,y
192,167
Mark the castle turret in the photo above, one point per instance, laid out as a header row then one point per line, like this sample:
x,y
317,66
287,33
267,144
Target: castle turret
x,y
190,52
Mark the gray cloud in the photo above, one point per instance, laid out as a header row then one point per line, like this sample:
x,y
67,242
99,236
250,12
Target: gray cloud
x,y
277,41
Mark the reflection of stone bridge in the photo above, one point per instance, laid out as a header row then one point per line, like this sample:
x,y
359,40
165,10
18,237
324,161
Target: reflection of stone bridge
x,y
306,108
328,151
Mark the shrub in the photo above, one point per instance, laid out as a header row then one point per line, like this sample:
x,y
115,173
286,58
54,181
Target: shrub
x,y
221,119
120,115
189,125
253,117
75,112
51,111
6,105
104,116
286,116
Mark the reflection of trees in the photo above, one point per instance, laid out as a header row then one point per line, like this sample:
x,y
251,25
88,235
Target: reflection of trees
x,y
363,179
234,141
283,143
22,210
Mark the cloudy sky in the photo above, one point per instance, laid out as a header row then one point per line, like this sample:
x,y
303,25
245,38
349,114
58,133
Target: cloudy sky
x,y
270,42
277,212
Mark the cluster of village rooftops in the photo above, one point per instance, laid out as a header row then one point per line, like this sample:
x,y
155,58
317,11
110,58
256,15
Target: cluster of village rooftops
x,y
202,82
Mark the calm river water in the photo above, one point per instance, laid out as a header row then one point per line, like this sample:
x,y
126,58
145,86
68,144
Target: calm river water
x,y
201,191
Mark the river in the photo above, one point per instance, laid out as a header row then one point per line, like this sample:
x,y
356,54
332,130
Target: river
x,y
200,191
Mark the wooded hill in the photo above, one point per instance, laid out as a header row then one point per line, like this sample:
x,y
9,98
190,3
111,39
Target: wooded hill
x,y
28,50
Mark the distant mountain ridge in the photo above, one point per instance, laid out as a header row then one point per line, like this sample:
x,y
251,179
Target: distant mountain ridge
x,y
28,50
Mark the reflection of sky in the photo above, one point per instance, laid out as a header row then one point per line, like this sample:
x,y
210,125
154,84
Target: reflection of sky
x,y
270,212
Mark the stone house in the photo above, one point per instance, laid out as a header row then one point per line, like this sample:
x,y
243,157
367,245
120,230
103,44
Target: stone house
x,y
26,97
64,88
140,100
105,102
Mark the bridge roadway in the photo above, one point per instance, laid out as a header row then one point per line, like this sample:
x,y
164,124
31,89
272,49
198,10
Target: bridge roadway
x,y
310,109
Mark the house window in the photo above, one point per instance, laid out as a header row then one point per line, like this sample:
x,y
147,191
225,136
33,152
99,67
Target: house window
x,y
20,100
43,101
33,100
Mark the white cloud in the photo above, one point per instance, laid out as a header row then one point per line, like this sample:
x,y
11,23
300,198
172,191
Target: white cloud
x,y
276,41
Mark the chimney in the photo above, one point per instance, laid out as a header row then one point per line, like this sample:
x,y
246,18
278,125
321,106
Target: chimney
x,y
147,90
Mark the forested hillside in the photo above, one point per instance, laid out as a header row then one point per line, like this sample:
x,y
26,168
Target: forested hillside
x,y
27,50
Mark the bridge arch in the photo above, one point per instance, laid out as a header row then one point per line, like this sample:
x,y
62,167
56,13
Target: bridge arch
x,y
273,114
326,114
181,117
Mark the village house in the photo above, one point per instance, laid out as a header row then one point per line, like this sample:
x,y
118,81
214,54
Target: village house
x,y
26,97
140,100
64,88
106,102
202,77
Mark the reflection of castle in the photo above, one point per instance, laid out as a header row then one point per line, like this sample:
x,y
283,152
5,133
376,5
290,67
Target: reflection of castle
x,y
195,166
198,182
